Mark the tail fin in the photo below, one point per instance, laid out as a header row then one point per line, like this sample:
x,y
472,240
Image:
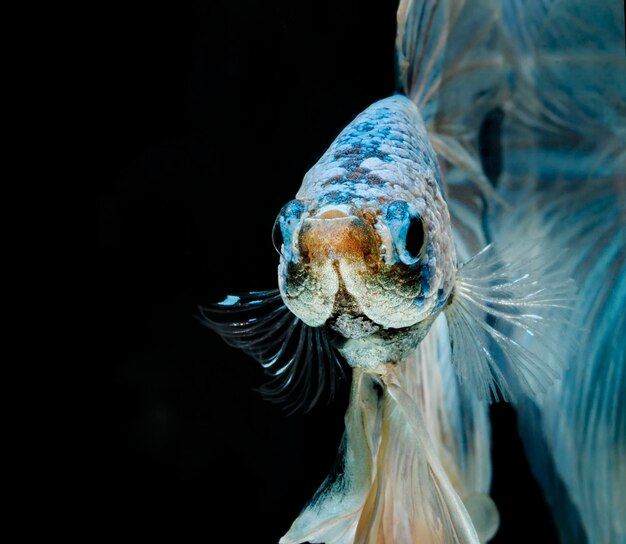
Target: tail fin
x,y
575,434
557,71
408,436
564,173
565,113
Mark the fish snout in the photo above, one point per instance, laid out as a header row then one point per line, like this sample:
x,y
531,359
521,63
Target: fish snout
x,y
335,236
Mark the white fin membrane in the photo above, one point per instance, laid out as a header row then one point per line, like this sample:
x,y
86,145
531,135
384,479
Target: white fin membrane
x,y
497,291
414,460
333,513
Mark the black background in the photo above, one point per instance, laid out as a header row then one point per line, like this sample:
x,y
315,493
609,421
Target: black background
x,y
207,116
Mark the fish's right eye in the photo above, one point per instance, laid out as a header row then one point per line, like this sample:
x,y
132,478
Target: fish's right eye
x,y
415,237
277,236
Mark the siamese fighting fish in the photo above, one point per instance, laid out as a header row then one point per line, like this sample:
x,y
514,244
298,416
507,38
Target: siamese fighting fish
x,y
445,289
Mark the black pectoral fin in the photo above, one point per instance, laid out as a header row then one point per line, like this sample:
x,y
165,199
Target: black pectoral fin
x,y
302,365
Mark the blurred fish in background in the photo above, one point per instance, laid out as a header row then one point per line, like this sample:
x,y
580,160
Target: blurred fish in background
x,y
445,287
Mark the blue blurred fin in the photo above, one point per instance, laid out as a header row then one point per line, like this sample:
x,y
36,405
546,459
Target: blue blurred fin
x,y
564,173
575,434
451,65
567,92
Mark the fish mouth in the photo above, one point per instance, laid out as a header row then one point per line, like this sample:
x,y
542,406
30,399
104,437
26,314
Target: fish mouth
x,y
353,326
347,318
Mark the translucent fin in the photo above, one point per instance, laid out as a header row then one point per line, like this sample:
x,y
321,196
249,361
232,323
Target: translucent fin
x,y
333,513
412,498
567,90
444,46
450,63
424,439
299,359
575,435
517,288
564,173
457,423
467,207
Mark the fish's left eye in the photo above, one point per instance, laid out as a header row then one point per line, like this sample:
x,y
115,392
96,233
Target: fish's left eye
x,y
277,236
415,237
284,226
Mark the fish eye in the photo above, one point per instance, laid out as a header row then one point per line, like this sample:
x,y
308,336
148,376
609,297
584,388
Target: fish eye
x,y
284,226
415,237
277,236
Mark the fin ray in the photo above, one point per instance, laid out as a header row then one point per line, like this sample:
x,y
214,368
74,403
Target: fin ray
x,y
293,355
497,291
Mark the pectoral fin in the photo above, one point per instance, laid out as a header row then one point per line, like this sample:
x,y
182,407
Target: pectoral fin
x,y
500,290
299,359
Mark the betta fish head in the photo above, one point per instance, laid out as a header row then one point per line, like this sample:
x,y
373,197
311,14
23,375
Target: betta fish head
x,y
370,272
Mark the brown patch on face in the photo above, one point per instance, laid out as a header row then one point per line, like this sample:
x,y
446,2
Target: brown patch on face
x,y
339,237
332,214
370,215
